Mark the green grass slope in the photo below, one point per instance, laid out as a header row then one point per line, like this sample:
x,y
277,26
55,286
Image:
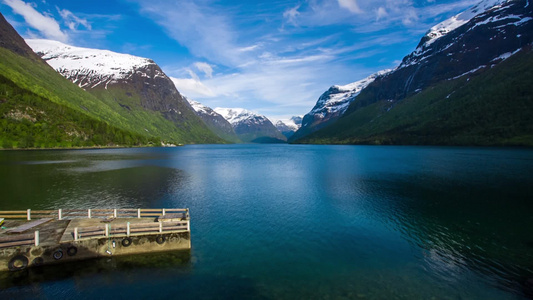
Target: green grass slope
x,y
31,121
490,108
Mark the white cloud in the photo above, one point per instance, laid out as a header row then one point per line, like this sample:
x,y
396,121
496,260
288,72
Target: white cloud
x,y
350,5
205,68
72,21
381,13
204,30
46,25
291,14
192,87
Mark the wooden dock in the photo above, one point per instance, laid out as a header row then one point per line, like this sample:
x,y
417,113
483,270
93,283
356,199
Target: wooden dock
x,y
33,238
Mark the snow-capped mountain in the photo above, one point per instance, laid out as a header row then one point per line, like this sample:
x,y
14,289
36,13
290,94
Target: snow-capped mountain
x,y
251,127
288,127
470,44
456,21
136,85
332,104
89,68
466,43
214,121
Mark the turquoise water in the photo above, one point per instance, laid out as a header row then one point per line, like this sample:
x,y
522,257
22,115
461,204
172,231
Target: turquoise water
x,y
293,222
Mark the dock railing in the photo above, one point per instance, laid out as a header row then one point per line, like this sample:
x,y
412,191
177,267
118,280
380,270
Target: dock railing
x,y
20,240
61,214
129,229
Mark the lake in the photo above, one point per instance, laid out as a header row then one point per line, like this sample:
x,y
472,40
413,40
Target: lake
x,y
293,221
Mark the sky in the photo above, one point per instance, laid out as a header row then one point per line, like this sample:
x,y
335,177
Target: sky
x,y
271,57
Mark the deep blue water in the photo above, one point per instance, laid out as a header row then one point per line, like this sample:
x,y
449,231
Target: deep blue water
x,y
293,222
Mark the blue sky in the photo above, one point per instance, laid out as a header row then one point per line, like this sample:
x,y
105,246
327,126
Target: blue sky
x,y
272,57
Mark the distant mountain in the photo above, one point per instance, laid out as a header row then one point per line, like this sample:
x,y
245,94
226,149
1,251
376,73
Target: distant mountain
x,y
41,109
251,127
215,122
332,104
290,126
134,87
468,82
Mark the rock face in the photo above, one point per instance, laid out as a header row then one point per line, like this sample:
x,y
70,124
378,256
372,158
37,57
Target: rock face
x,y
12,41
467,45
251,127
332,105
290,126
135,83
215,122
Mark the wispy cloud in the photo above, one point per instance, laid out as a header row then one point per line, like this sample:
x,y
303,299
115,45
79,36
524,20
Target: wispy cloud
x,y
204,68
350,5
203,29
45,24
72,21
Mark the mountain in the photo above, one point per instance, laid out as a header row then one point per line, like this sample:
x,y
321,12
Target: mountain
x,y
41,109
290,126
468,82
251,127
332,104
215,122
135,88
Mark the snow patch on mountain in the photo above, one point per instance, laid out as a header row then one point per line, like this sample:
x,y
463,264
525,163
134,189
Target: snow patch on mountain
x,y
240,115
99,66
294,123
200,108
337,99
458,20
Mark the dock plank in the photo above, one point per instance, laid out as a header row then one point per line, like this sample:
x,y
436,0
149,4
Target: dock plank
x,y
28,226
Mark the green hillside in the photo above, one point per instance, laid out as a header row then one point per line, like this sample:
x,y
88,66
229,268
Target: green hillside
x,y
37,77
31,121
493,107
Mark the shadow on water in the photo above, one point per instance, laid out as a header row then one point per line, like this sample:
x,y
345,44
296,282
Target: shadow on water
x,y
179,261
158,275
86,184
462,225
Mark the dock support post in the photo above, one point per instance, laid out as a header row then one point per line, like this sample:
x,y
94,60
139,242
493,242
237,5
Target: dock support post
x,y
160,226
163,211
138,213
59,214
106,230
188,225
89,213
29,214
37,238
128,229
115,213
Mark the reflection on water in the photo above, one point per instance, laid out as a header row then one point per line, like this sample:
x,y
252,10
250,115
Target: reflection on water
x,y
87,181
307,222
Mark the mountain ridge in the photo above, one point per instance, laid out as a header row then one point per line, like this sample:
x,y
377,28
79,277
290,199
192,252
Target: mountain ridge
x,y
494,36
136,88
251,127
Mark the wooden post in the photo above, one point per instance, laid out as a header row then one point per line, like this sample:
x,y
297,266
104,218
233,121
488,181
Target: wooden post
x,y
163,211
160,226
188,225
106,230
59,213
89,213
75,233
29,214
128,229
37,238
115,212
138,213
